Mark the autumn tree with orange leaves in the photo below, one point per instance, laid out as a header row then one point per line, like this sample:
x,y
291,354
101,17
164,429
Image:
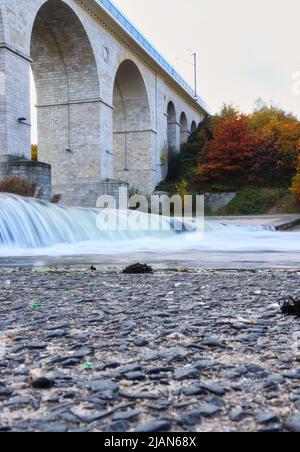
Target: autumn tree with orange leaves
x,y
278,146
259,149
228,157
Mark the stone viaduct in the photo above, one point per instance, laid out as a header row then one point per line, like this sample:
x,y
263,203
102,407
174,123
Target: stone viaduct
x,y
109,106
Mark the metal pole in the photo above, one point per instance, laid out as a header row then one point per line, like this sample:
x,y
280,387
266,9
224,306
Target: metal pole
x,y
195,72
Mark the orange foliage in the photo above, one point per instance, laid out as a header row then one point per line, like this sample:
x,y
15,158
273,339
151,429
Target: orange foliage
x,y
228,156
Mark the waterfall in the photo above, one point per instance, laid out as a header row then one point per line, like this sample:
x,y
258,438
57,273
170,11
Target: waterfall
x,y
32,223
30,227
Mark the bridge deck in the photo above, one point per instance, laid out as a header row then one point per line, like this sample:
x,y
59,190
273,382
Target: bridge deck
x,y
150,49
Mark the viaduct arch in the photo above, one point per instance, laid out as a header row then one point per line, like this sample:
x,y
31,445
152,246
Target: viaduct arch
x,y
109,107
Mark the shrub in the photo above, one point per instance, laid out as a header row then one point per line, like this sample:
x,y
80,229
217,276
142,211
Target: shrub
x,y
20,186
296,189
34,153
56,198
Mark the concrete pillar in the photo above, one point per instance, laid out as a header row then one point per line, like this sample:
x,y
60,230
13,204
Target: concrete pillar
x,y
173,130
15,128
174,137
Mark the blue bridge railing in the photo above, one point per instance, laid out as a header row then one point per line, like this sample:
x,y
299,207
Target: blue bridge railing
x,y
137,35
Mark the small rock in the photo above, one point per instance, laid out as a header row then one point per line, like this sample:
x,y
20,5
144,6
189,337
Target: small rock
x,y
193,391
266,417
190,419
186,373
214,343
255,368
208,409
126,416
160,425
214,389
42,383
293,424
140,342
137,376
137,269
237,415
294,375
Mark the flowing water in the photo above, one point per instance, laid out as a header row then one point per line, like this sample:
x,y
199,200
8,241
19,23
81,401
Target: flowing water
x,y
31,229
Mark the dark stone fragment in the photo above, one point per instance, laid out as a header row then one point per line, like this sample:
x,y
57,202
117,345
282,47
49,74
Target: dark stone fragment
x,y
214,343
71,362
160,425
237,415
193,391
294,375
140,395
53,428
271,428
30,346
5,393
42,383
105,389
56,334
208,409
214,389
129,368
88,419
140,342
57,326
137,376
266,417
126,415
190,419
19,401
255,368
116,427
137,269
186,373
292,424
159,406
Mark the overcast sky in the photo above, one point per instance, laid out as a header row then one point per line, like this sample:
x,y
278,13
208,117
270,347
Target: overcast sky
x,y
246,48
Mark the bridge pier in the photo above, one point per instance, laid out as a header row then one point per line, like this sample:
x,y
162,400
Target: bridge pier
x,y
15,128
103,95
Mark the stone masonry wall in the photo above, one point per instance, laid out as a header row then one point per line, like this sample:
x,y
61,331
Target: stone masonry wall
x,y
37,172
76,51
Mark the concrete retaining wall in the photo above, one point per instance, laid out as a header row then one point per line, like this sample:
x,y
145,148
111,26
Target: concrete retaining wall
x,y
37,172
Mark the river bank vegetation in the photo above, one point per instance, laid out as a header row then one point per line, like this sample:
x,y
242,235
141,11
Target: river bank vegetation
x,y
256,155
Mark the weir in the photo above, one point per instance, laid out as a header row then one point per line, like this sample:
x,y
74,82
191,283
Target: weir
x,y
31,226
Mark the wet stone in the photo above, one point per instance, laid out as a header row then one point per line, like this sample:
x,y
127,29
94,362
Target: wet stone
x,y
159,425
186,373
42,383
292,424
175,351
266,417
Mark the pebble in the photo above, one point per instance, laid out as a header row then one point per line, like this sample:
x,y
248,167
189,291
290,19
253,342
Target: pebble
x,y
292,424
189,351
159,425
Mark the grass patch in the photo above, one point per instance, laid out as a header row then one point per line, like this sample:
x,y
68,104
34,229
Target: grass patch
x,y
260,201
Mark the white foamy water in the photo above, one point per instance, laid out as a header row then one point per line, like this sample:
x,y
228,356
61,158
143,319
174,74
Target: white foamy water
x,y
31,227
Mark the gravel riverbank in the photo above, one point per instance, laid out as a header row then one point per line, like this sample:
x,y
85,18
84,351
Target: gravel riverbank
x,y
172,351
